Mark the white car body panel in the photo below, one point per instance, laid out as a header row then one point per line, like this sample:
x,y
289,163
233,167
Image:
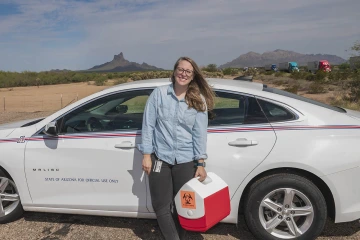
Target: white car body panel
x,y
329,143
87,172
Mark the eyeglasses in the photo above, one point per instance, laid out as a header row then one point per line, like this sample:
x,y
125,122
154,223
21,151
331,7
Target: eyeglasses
x,y
187,71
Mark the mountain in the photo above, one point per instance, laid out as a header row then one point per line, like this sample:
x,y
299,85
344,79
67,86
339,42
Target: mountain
x,y
253,59
120,64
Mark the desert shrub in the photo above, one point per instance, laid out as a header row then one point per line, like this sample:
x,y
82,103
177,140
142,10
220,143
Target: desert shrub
x,y
26,78
333,77
148,75
120,81
110,76
100,80
250,72
344,66
310,77
213,74
78,77
261,71
316,87
279,82
346,74
293,88
279,74
298,75
268,73
230,71
320,76
211,68
354,88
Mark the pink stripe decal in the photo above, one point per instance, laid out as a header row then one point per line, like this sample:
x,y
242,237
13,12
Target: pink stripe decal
x,y
210,130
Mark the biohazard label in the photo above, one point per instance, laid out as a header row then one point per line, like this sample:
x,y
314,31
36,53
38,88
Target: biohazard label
x,y
188,199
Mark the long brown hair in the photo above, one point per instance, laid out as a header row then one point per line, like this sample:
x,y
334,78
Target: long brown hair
x,y
196,87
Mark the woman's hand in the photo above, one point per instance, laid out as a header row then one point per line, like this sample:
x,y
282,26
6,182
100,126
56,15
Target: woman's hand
x,y
146,163
201,172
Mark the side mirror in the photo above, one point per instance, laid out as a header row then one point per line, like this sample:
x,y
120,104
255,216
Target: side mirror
x,y
51,129
122,108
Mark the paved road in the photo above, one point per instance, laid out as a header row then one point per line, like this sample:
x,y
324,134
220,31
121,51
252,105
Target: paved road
x,y
46,226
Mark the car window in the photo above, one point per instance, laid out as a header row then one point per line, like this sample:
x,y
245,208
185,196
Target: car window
x,y
116,112
276,113
235,109
136,104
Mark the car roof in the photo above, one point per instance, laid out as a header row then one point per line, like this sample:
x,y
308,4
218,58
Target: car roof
x,y
214,82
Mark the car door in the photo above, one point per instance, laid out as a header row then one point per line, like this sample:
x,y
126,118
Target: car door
x,y
239,138
93,163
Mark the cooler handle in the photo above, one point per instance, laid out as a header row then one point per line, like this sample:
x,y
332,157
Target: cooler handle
x,y
206,181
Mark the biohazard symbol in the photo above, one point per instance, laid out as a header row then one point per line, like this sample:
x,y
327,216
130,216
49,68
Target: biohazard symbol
x,y
187,199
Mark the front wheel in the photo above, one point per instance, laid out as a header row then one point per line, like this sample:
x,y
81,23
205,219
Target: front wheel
x,y
10,205
285,206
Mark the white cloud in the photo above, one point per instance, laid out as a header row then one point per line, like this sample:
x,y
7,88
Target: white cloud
x,y
79,34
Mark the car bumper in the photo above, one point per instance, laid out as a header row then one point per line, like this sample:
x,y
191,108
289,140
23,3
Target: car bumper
x,y
345,187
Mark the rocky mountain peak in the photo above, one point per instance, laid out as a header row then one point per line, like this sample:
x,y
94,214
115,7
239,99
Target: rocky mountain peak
x,y
120,64
120,56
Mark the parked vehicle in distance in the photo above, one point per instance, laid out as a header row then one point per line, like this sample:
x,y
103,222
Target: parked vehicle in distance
x,y
270,67
245,69
354,62
288,67
322,65
289,161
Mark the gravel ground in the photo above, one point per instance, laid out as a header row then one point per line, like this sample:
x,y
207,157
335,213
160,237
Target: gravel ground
x,y
47,226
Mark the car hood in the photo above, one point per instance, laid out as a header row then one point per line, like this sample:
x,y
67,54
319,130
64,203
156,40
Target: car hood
x,y
6,129
5,132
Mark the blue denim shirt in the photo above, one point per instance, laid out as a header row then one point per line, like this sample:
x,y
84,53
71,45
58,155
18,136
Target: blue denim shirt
x,y
171,129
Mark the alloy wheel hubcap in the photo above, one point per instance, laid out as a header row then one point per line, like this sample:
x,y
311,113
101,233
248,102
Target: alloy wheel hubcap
x,y
9,197
286,213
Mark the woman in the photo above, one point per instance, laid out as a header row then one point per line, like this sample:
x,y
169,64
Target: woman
x,y
174,135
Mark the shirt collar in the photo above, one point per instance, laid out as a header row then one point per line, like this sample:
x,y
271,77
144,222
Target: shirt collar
x,y
170,90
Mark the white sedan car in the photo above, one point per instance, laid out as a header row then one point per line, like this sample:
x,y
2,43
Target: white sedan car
x,y
289,162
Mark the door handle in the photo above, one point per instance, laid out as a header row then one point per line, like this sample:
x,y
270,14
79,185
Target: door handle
x,y
125,144
243,142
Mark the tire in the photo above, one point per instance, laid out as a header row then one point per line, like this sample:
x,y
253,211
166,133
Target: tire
x,y
260,210
12,208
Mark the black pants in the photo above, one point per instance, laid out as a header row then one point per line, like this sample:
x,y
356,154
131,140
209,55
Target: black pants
x,y
164,185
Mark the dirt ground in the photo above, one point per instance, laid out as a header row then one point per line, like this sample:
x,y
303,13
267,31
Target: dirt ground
x,y
32,102
44,98
47,226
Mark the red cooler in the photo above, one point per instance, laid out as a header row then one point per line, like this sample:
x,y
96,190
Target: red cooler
x,y
201,205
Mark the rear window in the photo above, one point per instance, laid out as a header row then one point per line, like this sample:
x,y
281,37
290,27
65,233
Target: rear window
x,y
304,99
276,113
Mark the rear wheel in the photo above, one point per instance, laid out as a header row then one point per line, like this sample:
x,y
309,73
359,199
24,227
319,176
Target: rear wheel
x,y
10,205
285,206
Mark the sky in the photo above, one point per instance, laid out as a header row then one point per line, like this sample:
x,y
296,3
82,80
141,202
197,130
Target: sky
x,y
39,35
